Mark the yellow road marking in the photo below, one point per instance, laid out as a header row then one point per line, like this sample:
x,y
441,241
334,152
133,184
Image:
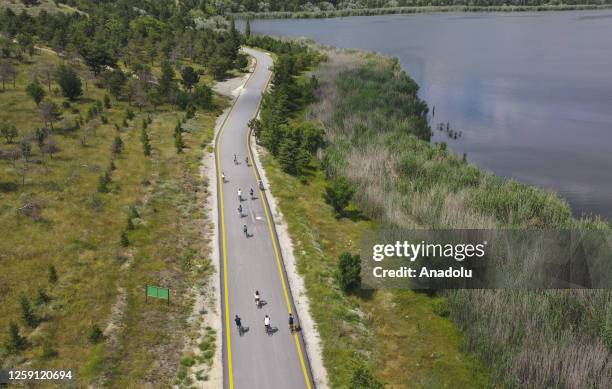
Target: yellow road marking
x,y
224,242
272,236
223,238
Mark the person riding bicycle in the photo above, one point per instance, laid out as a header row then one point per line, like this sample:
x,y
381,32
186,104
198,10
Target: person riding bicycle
x,y
251,193
291,328
239,194
245,230
240,209
257,298
223,176
235,159
247,160
267,323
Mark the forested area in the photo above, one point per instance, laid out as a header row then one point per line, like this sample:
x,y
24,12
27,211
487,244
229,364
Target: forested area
x,y
294,144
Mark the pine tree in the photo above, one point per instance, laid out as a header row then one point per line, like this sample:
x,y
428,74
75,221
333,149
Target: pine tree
x,y
28,316
124,241
117,145
52,274
15,342
133,213
95,334
103,183
42,297
287,155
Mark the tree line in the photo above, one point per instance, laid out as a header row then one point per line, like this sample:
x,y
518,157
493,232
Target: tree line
x,y
335,5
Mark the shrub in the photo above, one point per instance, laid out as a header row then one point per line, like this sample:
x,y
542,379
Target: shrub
x,y
123,240
95,334
103,183
348,274
28,316
117,145
15,342
42,297
362,378
36,92
52,274
107,102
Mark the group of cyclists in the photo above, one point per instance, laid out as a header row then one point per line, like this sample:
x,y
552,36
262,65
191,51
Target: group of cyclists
x,y
258,301
267,322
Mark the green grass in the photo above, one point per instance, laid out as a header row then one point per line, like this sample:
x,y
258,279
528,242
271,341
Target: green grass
x,y
399,333
79,232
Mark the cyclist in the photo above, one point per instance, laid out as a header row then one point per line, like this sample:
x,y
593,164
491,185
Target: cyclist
x,y
240,210
251,193
247,160
223,176
239,194
291,327
245,230
238,323
235,159
257,299
267,323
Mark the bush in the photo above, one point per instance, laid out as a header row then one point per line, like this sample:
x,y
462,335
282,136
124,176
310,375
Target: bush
x,y
103,183
36,92
43,297
107,102
28,316
15,342
52,274
124,241
339,194
117,145
348,274
95,334
202,96
363,378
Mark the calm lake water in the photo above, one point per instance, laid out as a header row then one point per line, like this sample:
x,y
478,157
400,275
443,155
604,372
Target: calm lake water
x,y
531,92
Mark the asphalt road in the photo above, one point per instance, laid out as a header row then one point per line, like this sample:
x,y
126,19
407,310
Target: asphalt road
x,y
254,359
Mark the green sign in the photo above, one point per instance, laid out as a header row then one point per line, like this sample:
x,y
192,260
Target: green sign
x,y
157,292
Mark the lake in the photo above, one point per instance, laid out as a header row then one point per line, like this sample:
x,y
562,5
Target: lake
x,y
530,92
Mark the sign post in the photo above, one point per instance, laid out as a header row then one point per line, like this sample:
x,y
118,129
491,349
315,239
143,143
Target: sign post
x,y
157,292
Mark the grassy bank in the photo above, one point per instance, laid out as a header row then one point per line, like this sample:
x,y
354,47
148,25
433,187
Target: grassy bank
x,y
416,10
377,138
145,227
399,335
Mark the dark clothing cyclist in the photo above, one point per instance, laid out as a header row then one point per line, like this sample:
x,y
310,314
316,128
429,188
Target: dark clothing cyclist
x,y
238,321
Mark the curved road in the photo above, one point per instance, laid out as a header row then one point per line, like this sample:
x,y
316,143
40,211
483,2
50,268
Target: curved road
x,y
255,359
